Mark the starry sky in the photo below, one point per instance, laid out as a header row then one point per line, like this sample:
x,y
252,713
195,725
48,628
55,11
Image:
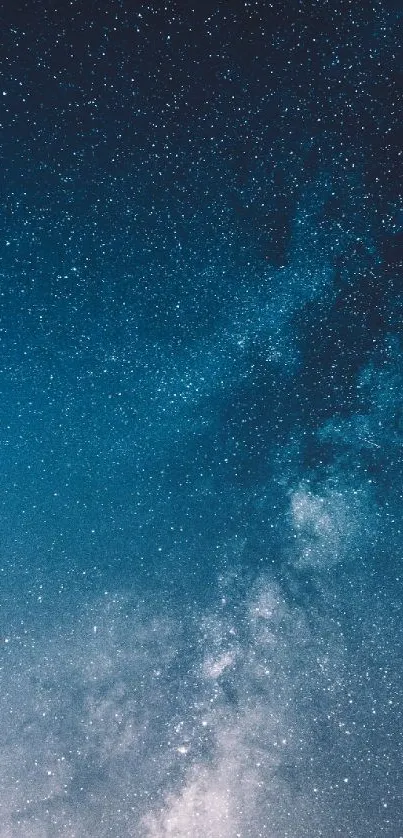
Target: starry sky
x,y
201,419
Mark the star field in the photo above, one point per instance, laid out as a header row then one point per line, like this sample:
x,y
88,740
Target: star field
x,y
201,420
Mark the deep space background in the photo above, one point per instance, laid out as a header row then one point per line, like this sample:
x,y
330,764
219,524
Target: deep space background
x,y
201,581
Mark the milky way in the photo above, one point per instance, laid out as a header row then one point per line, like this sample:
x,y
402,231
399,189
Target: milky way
x,y
201,378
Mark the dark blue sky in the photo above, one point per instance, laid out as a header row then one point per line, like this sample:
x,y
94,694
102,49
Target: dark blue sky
x,y
201,420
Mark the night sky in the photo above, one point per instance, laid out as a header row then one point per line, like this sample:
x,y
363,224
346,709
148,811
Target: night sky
x,y
201,419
